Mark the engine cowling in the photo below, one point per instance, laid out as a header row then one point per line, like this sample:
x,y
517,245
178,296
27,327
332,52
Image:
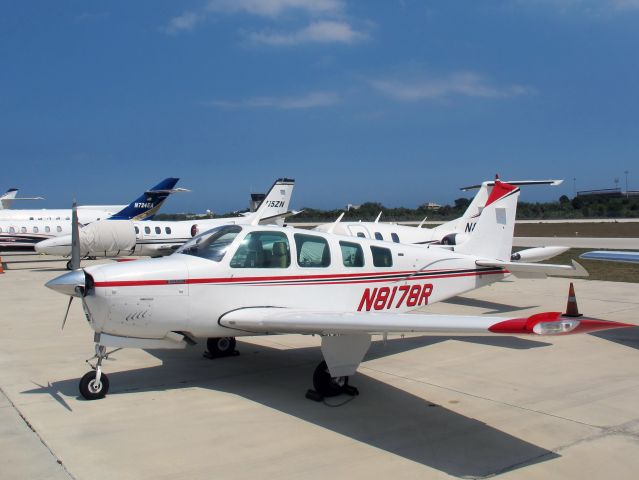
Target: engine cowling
x,y
454,239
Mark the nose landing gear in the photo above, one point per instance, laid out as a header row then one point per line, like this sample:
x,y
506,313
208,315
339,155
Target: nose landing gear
x,y
95,384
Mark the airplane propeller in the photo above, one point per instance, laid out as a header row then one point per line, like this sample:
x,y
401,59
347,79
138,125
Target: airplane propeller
x,y
75,255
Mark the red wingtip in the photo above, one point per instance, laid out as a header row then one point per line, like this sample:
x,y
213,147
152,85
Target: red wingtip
x,y
587,325
553,325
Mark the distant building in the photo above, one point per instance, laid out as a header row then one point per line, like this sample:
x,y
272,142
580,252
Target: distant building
x,y
433,206
350,206
607,193
256,199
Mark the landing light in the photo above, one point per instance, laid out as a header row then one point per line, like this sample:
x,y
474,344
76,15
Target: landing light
x,y
554,328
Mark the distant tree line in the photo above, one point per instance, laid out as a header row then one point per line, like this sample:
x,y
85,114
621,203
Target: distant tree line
x,y
578,207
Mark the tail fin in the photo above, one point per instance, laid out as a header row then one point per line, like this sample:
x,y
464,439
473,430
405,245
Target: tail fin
x,y
7,199
492,235
146,205
274,207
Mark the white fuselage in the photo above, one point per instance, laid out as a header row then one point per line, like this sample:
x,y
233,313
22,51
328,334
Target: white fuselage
x,y
86,214
185,293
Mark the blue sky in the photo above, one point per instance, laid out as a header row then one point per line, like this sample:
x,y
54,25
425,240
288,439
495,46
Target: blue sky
x,y
400,102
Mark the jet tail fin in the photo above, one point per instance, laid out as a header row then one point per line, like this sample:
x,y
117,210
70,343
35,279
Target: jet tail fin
x,y
275,203
492,235
146,205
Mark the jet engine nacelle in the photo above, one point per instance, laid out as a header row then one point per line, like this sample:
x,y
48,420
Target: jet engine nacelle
x,y
454,239
537,254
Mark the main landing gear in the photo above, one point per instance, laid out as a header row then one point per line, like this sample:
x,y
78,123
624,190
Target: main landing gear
x,y
327,386
95,384
220,347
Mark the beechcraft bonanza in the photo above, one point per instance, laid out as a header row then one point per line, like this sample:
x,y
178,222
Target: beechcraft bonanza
x,y
158,238
21,234
246,280
453,232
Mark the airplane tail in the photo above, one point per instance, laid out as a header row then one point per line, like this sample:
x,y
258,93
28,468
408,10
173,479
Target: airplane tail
x,y
7,199
146,205
492,235
274,207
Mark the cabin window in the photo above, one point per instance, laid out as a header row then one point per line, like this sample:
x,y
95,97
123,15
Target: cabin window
x,y
0,229
395,237
379,236
47,229
211,244
137,230
312,251
361,234
31,218
36,229
382,257
23,229
158,230
352,254
12,230
147,230
263,250
167,230
58,229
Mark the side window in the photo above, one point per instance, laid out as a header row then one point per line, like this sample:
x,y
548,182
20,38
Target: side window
x,y
36,229
12,230
378,236
361,235
47,229
147,230
395,237
382,257
58,229
263,250
158,230
167,230
312,251
352,254
137,230
23,229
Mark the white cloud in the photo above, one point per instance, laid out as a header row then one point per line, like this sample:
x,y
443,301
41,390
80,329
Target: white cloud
x,y
309,100
467,84
274,8
317,32
185,22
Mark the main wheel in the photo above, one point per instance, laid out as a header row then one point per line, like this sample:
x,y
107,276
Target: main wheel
x,y
220,347
92,391
69,267
326,385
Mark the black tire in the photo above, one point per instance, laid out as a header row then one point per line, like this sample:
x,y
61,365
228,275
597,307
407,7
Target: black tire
x,y
69,265
220,346
87,386
326,385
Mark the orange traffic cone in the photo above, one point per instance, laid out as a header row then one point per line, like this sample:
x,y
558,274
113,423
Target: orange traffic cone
x,y
571,306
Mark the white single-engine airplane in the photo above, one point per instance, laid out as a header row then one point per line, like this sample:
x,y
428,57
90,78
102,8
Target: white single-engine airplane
x,y
154,238
258,280
454,232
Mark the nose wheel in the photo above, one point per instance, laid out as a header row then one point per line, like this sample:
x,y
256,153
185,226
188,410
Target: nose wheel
x,y
95,384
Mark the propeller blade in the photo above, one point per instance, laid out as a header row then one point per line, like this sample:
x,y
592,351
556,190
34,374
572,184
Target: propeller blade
x,y
75,238
67,313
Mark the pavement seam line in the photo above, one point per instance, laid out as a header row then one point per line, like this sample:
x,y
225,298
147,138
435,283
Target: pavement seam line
x,y
39,437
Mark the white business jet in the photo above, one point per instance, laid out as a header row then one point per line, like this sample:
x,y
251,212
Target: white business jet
x,y
157,238
453,232
244,280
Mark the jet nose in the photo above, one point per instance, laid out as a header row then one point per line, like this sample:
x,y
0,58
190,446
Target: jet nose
x,y
67,283
53,246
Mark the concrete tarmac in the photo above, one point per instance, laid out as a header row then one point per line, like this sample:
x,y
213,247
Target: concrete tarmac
x,y
430,406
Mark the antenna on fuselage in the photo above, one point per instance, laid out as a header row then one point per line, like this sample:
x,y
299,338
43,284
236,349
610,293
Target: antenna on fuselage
x,y
422,222
332,227
378,217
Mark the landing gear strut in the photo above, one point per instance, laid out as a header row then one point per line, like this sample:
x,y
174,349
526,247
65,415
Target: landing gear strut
x,y
220,347
95,384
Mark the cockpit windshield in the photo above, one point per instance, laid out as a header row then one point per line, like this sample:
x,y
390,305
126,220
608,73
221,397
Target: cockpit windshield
x,y
211,244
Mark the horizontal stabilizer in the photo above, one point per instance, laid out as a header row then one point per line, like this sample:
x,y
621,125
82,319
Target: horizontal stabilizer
x,y
537,269
272,218
553,183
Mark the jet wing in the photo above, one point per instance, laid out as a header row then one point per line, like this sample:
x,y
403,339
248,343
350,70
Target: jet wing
x,y
274,320
612,256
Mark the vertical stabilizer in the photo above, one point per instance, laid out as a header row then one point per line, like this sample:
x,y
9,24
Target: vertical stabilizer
x,y
492,234
274,208
146,205
7,199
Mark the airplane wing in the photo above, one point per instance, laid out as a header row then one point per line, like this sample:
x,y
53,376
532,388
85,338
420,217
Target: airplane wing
x,y
612,256
532,270
273,320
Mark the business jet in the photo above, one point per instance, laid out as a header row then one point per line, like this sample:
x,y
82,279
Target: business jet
x,y
453,232
246,280
20,234
7,199
157,238
91,213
